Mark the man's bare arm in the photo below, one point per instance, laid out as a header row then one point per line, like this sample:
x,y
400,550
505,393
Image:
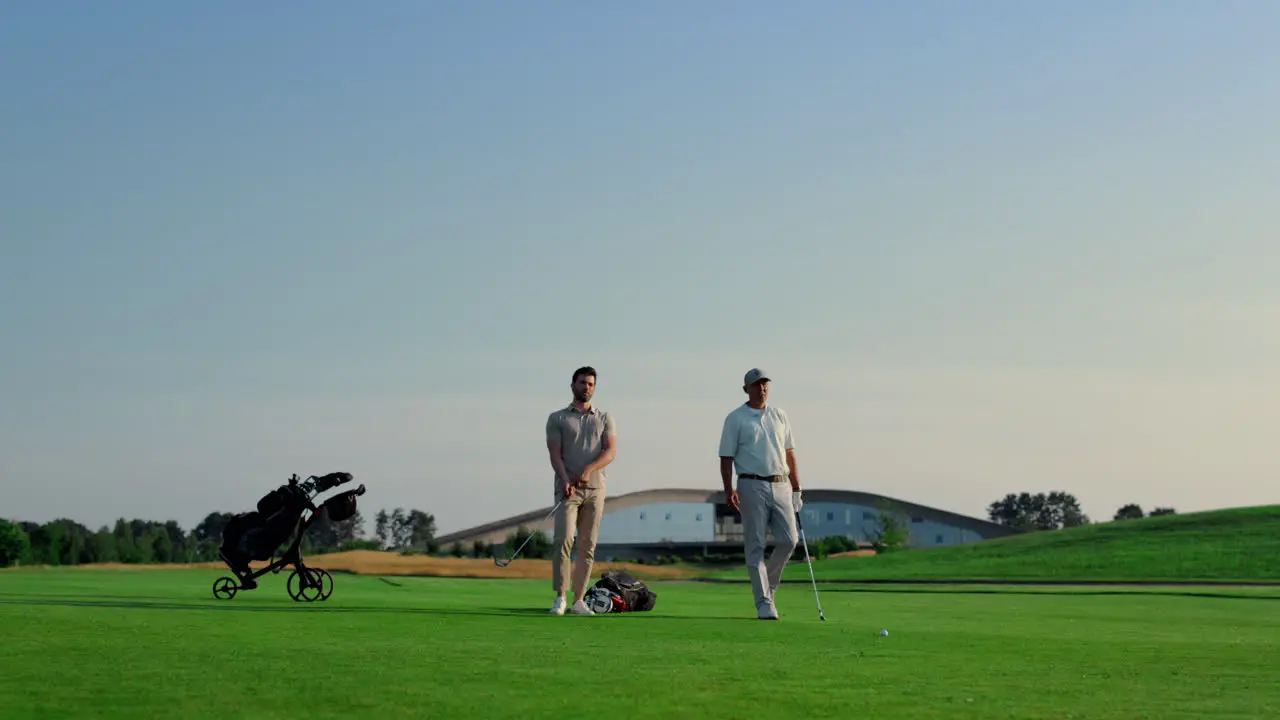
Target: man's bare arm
x,y
726,474
606,456
794,467
557,462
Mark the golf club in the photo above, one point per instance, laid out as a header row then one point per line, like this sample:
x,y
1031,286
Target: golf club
x,y
800,525
506,562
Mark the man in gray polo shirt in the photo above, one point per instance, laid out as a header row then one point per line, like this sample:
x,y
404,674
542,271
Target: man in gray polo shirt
x,y
581,441
757,441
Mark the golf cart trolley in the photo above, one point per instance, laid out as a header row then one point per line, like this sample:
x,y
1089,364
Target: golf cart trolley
x,y
256,535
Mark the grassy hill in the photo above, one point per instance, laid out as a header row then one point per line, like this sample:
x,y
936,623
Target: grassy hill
x,y
1240,545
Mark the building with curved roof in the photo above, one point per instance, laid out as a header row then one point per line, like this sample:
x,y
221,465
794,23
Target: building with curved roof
x,y
675,521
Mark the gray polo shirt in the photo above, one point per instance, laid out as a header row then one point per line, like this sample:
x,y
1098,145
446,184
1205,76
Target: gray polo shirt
x,y
581,436
757,440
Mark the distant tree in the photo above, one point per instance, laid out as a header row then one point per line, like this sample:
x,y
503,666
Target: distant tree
x,y
182,549
1008,511
892,533
1162,511
104,546
1041,511
125,548
457,551
422,528
539,543
480,548
398,526
403,530
382,528
76,548
15,546
48,544
835,544
144,551
161,546
823,547
1131,511
1069,513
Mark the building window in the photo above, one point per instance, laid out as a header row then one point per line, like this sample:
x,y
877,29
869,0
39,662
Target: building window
x,y
868,516
641,514
668,516
699,517
917,519
831,516
939,539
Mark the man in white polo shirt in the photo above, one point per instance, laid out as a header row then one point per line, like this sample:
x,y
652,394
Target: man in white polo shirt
x,y
757,441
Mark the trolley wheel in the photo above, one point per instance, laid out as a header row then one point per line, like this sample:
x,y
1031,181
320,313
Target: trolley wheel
x,y
308,590
225,588
324,580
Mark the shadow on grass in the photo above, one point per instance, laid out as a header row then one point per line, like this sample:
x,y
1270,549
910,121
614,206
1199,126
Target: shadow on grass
x,y
136,603
826,588
11,598
1194,584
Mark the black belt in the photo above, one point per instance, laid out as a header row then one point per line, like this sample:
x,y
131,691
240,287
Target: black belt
x,y
766,478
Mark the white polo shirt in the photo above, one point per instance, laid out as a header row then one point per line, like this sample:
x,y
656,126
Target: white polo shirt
x,y
757,440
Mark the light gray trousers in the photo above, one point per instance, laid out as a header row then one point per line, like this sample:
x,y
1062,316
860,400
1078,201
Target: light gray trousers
x,y
766,506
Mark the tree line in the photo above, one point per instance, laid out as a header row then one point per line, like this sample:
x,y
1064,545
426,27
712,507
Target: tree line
x,y
67,542
1054,511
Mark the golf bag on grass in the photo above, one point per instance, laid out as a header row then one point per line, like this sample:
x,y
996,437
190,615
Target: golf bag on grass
x,y
280,514
619,591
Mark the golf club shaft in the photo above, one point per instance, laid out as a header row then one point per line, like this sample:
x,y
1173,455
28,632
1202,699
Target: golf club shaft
x,y
809,562
526,540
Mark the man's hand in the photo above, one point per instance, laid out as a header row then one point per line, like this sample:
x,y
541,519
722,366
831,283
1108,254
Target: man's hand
x,y
726,477
796,501
567,489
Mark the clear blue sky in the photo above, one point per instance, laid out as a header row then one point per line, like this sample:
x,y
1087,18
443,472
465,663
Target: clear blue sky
x,y
983,247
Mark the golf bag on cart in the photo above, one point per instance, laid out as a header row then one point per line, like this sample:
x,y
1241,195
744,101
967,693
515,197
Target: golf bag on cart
x,y
257,535
619,591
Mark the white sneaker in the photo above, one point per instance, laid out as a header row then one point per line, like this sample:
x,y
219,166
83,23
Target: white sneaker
x,y
558,607
580,608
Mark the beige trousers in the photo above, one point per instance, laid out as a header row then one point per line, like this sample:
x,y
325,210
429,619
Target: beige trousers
x,y
580,513
766,506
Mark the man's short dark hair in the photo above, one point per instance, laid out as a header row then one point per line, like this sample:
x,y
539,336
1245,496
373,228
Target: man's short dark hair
x,y
584,370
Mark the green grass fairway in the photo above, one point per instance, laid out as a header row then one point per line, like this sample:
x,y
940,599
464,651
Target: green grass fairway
x,y
155,644
1238,545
